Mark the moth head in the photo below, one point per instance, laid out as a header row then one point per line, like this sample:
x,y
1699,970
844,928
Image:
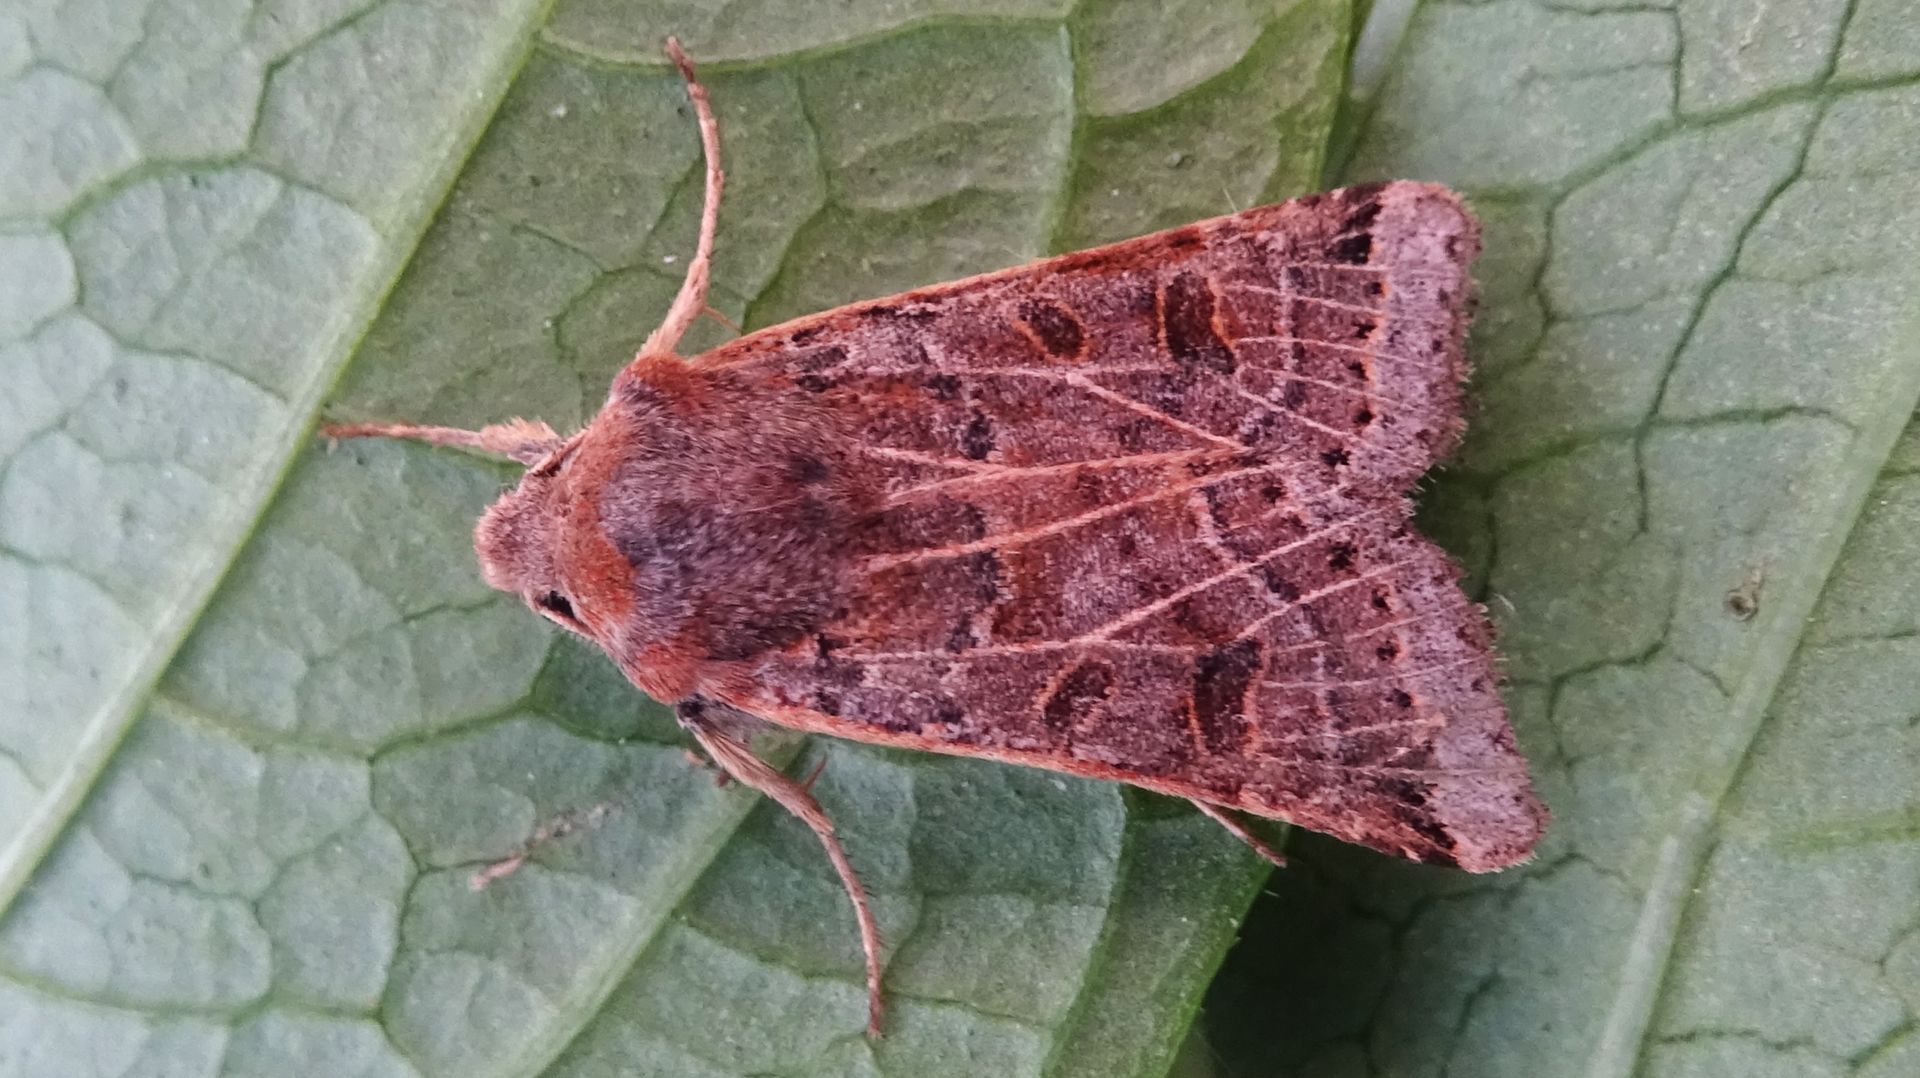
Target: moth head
x,y
516,541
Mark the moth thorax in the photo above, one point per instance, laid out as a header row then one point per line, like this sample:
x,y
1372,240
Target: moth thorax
x,y
514,540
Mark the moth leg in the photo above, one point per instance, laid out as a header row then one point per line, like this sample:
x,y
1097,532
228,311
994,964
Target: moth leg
x,y
705,763
739,761
692,300
1241,831
517,439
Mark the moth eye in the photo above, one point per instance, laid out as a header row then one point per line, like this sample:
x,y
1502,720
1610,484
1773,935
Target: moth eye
x,y
559,606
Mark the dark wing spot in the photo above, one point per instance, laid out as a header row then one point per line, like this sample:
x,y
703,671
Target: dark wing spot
x,y
944,387
976,441
1057,330
1405,791
1216,509
972,522
1361,193
1435,834
1365,200
1353,250
960,637
821,358
1282,588
1221,678
1340,558
1186,316
983,569
1073,700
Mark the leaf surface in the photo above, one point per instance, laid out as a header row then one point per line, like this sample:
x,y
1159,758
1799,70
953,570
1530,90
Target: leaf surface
x,y
265,726
1688,503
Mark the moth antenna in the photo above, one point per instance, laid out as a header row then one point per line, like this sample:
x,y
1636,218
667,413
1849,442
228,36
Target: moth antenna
x,y
1241,831
740,762
692,299
523,440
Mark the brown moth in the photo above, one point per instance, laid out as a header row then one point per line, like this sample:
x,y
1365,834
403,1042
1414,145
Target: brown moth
x,y
1137,513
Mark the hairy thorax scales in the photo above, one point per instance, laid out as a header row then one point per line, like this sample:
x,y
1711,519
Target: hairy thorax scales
x,y
706,516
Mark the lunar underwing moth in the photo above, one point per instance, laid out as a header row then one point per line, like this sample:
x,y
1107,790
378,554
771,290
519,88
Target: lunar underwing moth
x,y
1137,513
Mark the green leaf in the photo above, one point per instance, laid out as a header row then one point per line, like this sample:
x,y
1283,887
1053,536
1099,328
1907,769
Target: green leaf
x,y
261,723
200,205
1688,503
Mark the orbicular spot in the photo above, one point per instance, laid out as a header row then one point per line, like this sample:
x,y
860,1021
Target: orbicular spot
x,y
976,440
1221,679
1057,330
1352,250
1075,696
1186,320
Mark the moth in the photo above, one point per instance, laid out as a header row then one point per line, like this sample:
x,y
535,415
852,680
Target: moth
x,y
1137,513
